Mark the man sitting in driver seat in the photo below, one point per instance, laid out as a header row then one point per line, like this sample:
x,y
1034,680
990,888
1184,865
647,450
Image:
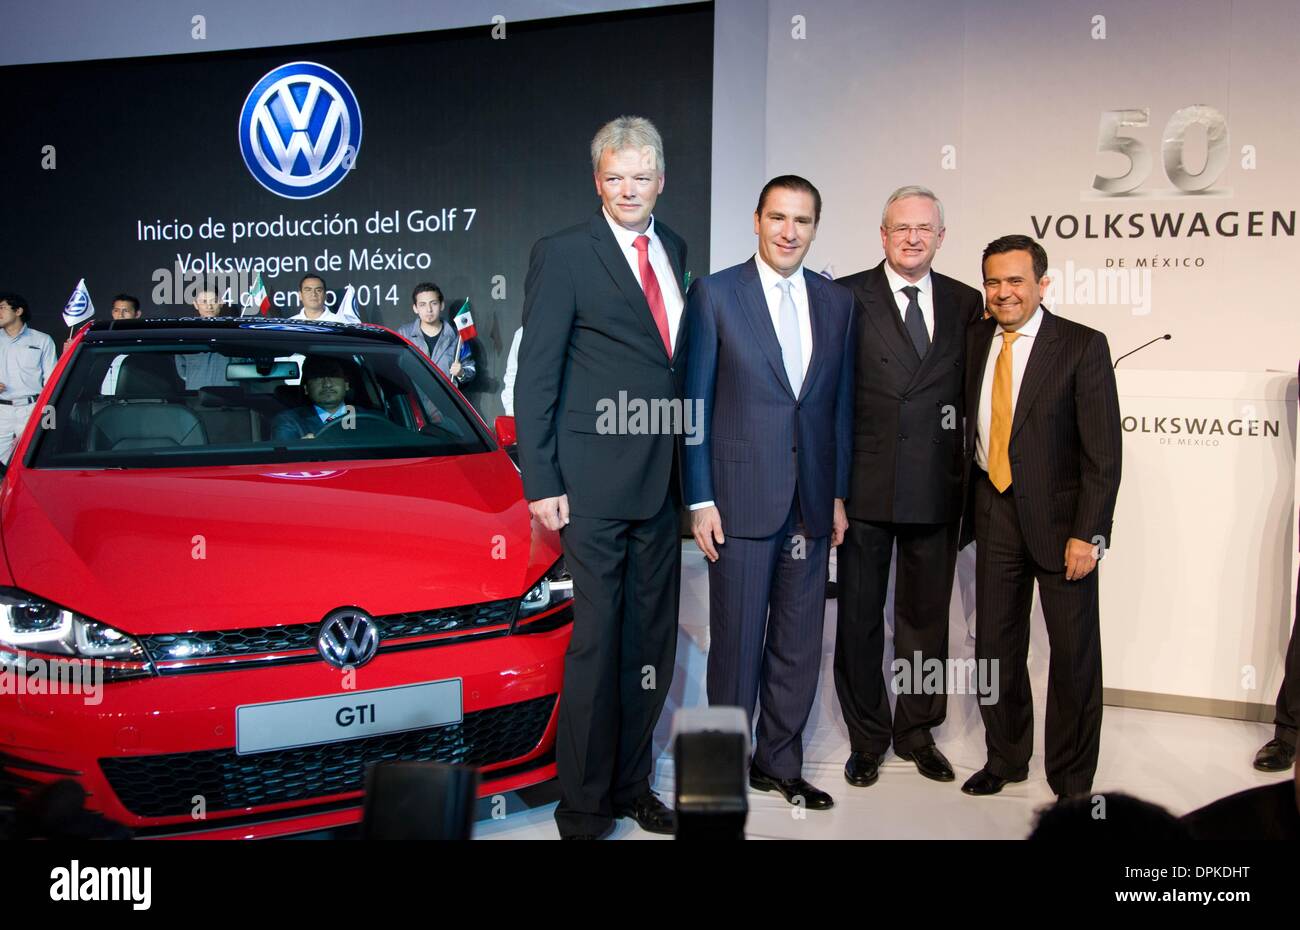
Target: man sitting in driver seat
x,y
325,382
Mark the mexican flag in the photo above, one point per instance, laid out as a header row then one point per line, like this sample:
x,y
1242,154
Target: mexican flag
x,y
464,321
257,302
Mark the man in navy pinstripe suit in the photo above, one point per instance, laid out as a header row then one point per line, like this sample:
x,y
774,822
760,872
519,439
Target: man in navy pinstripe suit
x,y
771,368
1043,445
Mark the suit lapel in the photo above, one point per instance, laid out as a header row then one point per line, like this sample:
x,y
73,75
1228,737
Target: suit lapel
x,y
1040,363
749,293
881,310
611,256
819,319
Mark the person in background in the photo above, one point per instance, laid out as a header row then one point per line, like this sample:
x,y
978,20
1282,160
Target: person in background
x,y
207,304
1278,754
435,335
26,362
125,307
204,369
311,293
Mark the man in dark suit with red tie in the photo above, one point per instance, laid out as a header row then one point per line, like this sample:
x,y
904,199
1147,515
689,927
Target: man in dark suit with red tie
x,y
771,371
603,325
905,489
1043,443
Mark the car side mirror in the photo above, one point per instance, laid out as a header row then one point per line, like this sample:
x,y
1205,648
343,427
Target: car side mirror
x,y
505,430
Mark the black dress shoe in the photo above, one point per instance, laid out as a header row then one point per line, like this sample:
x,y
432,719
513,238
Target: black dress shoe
x,y
985,782
797,791
862,770
1275,756
650,813
930,762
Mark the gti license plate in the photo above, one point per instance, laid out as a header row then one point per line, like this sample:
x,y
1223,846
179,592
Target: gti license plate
x,y
308,722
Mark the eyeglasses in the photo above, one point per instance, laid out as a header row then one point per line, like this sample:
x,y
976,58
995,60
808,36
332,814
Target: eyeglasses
x,y
924,231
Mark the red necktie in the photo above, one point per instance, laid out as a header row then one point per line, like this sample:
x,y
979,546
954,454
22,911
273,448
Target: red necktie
x,y
654,297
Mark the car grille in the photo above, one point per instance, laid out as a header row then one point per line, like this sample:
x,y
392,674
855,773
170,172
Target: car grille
x,y
165,785
253,641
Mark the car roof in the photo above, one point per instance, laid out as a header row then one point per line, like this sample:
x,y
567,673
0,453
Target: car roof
x,y
113,330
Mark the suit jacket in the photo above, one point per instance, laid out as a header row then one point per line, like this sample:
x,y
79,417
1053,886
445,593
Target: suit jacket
x,y
296,422
1065,437
757,437
446,348
907,422
591,357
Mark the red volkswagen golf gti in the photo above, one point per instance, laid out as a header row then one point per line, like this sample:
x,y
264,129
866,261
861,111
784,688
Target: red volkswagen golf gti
x,y
244,560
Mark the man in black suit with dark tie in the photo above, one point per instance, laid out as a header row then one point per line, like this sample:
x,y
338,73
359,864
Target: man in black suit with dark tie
x,y
603,325
1043,443
771,372
905,489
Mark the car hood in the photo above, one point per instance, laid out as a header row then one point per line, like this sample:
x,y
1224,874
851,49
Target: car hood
x,y
173,550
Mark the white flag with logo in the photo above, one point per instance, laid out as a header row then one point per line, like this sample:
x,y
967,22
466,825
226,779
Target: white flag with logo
x,y
79,308
348,306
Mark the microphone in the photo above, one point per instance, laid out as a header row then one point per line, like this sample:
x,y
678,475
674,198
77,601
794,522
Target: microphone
x,y
1140,348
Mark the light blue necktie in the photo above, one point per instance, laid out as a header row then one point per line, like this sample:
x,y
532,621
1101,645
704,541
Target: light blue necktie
x,y
788,332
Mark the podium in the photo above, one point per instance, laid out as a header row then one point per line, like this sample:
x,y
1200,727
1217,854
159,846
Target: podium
x,y
1197,591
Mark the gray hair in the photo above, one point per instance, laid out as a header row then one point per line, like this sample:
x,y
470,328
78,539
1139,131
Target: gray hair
x,y
627,132
912,190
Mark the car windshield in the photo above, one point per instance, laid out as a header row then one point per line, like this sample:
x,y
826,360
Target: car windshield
x,y
247,397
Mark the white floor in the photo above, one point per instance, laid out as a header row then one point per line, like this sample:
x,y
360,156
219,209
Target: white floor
x,y
1179,761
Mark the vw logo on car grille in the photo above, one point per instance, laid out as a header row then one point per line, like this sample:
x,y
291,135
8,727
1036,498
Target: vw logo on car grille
x,y
348,637
300,130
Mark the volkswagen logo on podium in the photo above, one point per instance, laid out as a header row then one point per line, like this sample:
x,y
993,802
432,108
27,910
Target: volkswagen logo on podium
x,y
300,130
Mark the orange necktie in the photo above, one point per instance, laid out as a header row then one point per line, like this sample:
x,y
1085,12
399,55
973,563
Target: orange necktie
x,y
1000,428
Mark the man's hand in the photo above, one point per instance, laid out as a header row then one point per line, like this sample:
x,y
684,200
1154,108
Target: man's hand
x,y
839,523
455,369
67,344
1080,559
551,512
706,524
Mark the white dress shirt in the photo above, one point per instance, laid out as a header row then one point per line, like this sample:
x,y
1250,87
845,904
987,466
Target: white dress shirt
x,y
26,362
1020,350
326,316
669,286
512,372
924,296
770,278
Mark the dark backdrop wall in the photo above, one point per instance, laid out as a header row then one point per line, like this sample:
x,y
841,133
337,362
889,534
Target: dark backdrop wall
x,y
105,156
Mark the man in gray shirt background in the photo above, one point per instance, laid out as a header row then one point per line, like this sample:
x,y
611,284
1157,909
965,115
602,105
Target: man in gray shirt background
x,y
26,361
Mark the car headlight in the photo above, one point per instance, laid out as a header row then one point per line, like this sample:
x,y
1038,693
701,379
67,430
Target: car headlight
x,y
32,623
555,589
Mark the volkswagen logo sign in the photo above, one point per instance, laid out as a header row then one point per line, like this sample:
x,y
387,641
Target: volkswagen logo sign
x,y
348,637
300,130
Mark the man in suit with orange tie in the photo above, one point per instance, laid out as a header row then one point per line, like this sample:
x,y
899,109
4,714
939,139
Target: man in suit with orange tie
x,y
1043,447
